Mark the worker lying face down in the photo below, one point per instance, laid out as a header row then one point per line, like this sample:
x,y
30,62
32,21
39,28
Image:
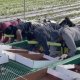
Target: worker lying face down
x,y
17,32
44,33
70,35
4,25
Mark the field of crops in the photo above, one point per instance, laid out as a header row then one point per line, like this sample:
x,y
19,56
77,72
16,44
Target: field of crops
x,y
8,7
34,9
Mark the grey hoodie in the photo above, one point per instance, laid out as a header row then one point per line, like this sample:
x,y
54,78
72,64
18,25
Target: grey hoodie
x,y
70,35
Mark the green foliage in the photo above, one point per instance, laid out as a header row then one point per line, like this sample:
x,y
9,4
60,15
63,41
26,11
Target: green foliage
x,y
8,7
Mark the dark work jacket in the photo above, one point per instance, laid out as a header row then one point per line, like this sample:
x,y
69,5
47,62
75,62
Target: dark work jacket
x,y
44,33
26,30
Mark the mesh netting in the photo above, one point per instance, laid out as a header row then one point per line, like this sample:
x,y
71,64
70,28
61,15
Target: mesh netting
x,y
12,70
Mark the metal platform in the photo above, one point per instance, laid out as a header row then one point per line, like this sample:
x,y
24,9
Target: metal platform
x,y
12,70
